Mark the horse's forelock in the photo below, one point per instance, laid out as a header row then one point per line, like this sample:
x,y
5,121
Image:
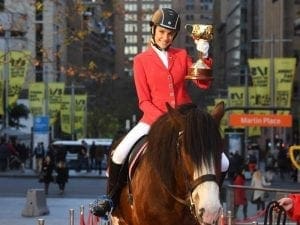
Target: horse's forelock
x,y
202,138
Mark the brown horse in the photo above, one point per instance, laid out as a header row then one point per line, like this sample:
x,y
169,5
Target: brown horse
x,y
176,181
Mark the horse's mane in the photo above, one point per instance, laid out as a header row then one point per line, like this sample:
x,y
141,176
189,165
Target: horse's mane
x,y
201,139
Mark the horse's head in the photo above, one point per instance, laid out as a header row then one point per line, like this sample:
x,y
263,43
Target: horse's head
x,y
199,159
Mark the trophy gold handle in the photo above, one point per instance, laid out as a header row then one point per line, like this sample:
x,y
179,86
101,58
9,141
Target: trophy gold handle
x,y
294,152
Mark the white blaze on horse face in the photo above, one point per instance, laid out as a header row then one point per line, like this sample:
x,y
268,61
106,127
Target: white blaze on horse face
x,y
206,197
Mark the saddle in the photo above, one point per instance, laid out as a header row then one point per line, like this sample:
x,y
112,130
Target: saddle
x,y
135,155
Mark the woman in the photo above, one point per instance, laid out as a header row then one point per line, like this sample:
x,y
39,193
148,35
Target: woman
x,y
62,175
291,204
46,176
240,198
159,76
258,181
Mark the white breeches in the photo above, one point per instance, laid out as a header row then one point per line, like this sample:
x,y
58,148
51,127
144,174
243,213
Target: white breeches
x,y
139,130
122,150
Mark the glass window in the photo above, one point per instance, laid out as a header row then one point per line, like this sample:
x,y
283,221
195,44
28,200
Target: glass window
x,y
146,38
189,17
147,16
130,50
130,7
132,39
165,5
147,7
146,27
130,17
130,27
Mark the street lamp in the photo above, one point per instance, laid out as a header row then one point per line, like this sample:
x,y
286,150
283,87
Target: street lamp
x,y
272,41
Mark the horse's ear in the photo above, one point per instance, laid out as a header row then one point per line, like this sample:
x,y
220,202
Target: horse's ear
x,y
218,111
175,116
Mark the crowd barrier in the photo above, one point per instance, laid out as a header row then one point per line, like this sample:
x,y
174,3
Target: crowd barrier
x,y
274,194
227,217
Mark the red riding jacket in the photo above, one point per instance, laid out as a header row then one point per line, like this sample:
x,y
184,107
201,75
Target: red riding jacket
x,y
156,85
294,213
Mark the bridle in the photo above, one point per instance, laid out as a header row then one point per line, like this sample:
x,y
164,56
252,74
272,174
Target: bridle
x,y
190,186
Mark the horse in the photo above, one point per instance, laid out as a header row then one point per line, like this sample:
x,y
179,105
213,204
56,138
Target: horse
x,y
176,180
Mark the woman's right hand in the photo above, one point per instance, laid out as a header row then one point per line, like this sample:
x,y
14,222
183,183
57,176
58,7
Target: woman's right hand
x,y
286,203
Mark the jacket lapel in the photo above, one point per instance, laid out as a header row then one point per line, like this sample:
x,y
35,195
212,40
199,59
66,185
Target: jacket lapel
x,y
171,58
155,58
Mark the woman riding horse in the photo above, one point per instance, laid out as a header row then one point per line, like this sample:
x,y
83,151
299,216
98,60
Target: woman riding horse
x,y
159,75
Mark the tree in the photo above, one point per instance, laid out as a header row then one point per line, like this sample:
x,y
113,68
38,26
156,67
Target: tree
x,y
16,112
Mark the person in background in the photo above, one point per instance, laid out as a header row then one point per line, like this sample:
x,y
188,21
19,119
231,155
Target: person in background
x,y
291,205
83,157
62,175
159,77
240,198
92,155
259,181
46,176
39,153
4,155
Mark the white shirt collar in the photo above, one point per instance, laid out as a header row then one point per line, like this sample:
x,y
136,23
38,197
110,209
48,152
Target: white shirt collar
x,y
163,55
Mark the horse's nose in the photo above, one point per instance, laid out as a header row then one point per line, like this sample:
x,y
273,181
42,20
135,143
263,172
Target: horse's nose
x,y
209,217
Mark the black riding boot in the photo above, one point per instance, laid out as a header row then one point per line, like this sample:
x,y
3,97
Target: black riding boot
x,y
106,203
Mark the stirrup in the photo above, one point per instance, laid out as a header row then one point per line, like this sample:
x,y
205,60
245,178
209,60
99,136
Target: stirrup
x,y
102,207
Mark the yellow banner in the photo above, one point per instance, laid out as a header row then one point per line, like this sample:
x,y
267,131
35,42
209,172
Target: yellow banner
x,y
80,110
1,97
36,97
284,77
18,67
65,114
236,97
260,71
2,83
55,95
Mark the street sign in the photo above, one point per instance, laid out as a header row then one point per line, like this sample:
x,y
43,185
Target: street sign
x,y
260,120
41,124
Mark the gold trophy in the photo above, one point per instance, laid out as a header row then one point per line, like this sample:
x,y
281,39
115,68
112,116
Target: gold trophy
x,y
202,36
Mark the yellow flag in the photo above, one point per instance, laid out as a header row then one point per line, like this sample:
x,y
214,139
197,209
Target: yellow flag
x,y
1,97
65,114
18,67
284,69
80,110
55,95
36,95
236,97
260,71
2,83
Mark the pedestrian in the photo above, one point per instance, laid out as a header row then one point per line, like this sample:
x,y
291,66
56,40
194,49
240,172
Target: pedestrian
x,y
236,164
160,77
259,196
92,155
291,205
82,157
39,154
46,175
240,198
4,155
62,175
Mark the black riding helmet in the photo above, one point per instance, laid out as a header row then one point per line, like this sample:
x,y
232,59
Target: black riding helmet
x,y
167,18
